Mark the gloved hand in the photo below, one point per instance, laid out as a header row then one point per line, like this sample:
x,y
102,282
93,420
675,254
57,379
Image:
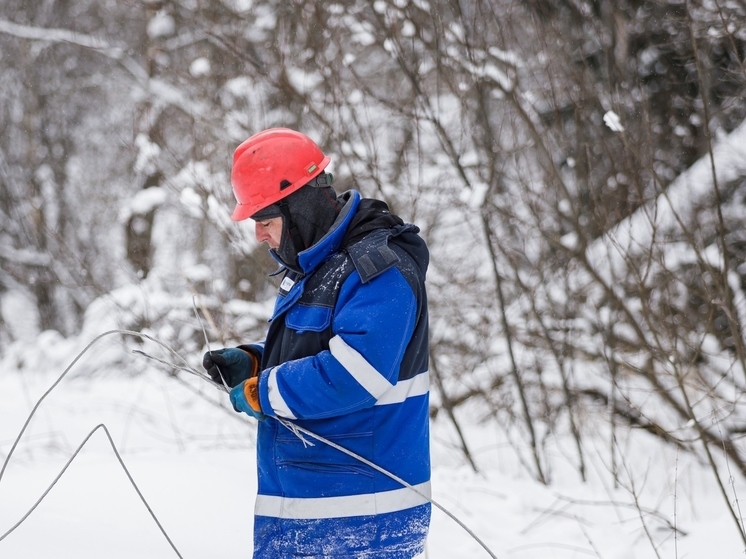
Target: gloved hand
x,y
245,398
230,364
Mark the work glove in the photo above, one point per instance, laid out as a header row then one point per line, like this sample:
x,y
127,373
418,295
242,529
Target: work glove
x,y
231,365
245,398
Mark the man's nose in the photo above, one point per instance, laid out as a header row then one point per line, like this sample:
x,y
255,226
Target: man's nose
x,y
259,233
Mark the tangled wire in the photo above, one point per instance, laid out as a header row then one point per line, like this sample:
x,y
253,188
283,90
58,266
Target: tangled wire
x,y
296,429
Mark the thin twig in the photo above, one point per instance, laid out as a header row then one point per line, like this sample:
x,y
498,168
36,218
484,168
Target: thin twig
x,y
675,506
731,478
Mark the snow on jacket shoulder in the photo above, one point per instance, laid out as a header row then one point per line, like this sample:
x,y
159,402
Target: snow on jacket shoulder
x,y
346,357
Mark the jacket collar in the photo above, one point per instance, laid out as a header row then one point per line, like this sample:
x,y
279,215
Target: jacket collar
x,y
309,259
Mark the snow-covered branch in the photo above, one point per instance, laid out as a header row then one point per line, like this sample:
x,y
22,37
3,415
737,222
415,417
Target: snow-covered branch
x,y
161,89
62,36
673,208
24,256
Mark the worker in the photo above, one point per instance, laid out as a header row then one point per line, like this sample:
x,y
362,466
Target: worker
x,y
345,357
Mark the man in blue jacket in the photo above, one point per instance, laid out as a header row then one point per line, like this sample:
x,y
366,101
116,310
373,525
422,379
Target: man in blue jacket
x,y
345,357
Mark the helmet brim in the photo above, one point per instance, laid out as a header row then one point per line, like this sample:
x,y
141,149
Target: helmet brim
x,y
242,212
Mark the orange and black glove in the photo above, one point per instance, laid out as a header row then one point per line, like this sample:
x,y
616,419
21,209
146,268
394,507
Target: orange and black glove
x,y
245,398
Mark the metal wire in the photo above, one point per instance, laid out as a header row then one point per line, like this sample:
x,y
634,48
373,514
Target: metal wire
x,y
207,342
126,471
101,426
296,429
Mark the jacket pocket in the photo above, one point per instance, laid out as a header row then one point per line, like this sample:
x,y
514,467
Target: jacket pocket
x,y
308,318
322,470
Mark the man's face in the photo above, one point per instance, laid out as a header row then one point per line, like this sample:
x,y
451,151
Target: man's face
x,y
269,231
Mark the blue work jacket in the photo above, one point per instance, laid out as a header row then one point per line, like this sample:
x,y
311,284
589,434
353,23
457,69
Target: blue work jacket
x,y
346,357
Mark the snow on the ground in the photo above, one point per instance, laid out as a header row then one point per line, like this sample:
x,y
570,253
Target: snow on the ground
x,y
193,460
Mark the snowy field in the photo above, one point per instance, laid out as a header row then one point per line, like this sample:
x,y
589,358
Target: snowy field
x,y
193,461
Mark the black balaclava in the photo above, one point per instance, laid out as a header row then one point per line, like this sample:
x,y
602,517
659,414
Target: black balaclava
x,y
307,214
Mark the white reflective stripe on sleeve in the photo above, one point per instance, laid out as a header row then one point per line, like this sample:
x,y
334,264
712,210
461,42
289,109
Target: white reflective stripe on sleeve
x,y
415,386
341,507
362,371
278,403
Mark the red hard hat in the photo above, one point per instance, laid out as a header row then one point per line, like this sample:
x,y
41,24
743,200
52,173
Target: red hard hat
x,y
269,166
